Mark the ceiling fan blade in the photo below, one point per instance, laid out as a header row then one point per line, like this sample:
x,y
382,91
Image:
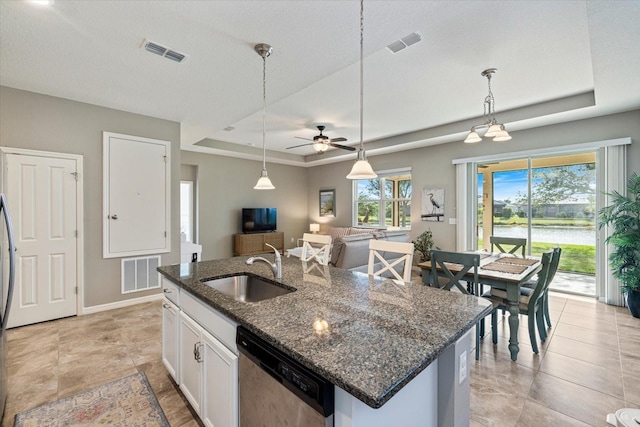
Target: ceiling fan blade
x,y
302,145
338,139
344,147
306,139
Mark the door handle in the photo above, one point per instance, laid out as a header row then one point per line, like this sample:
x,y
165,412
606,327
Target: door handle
x,y
114,216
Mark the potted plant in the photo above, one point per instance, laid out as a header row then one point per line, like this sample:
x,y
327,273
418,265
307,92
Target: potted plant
x,y
424,244
623,215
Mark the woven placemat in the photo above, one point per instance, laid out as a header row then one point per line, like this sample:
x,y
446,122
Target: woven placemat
x,y
504,268
516,261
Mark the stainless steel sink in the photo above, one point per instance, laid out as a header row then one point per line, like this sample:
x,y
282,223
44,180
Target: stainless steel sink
x,y
247,288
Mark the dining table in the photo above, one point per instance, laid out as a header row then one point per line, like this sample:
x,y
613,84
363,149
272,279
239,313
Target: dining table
x,y
504,271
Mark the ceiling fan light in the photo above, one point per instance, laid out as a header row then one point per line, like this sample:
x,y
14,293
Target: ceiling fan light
x,y
501,136
493,130
320,147
264,183
472,137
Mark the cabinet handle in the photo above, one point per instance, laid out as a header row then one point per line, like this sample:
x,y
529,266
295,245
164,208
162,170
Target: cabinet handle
x,y
196,352
166,306
114,216
166,291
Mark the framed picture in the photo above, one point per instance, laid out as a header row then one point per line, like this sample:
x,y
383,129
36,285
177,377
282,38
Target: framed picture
x,y
433,204
327,202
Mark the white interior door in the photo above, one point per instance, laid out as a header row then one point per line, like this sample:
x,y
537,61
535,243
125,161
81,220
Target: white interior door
x,y
42,194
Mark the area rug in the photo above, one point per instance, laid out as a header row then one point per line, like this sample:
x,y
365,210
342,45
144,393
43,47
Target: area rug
x,y
125,402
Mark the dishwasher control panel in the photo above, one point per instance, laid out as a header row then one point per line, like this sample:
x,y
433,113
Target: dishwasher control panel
x,y
306,385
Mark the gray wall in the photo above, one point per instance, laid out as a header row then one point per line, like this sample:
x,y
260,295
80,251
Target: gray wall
x,y
432,167
39,122
225,186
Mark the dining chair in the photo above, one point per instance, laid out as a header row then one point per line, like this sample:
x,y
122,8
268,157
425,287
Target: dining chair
x,y
555,260
513,244
380,253
443,278
316,247
530,304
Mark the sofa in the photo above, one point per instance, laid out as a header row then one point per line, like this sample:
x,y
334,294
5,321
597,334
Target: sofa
x,y
351,251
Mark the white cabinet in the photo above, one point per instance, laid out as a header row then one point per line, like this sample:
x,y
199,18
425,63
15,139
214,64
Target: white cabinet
x,y
220,384
170,317
208,372
190,361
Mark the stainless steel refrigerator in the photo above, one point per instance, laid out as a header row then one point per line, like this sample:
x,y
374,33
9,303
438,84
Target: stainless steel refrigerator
x,y
7,273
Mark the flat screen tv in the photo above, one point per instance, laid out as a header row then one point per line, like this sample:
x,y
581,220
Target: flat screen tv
x,y
259,220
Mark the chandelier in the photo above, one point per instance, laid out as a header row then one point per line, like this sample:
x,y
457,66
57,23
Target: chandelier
x,y
494,129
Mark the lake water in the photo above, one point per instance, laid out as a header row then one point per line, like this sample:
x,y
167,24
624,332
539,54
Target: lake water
x,y
559,235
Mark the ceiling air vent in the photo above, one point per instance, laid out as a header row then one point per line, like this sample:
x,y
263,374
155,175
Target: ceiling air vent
x,y
404,42
164,51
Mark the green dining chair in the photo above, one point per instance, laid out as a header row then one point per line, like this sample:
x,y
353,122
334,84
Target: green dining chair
x,y
443,278
555,260
530,303
513,244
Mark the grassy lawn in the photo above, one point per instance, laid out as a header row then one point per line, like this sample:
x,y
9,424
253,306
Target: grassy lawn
x,y
575,258
542,222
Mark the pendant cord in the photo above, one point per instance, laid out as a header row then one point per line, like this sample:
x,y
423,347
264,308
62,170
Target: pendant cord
x,y
361,73
264,111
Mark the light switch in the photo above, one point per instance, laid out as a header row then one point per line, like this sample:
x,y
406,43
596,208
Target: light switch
x,y
452,221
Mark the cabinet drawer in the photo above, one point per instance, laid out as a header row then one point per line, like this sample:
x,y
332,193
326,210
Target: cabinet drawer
x,y
171,291
215,323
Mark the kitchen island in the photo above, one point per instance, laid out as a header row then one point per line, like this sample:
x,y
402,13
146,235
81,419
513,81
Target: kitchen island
x,y
368,336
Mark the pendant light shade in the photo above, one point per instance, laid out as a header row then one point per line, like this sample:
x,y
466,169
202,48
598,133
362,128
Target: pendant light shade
x,y
264,183
361,168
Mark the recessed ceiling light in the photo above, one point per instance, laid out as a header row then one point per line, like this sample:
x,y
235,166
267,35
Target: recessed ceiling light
x,y
42,2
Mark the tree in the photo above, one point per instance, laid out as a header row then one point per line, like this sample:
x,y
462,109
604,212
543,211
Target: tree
x,y
561,183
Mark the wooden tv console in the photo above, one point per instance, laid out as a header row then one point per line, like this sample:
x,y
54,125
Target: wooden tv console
x,y
254,243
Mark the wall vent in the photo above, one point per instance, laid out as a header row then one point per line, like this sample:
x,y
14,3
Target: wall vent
x,y
139,274
164,51
404,42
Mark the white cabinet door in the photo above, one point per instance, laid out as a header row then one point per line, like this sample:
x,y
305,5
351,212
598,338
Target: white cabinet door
x,y
220,383
137,191
190,372
170,316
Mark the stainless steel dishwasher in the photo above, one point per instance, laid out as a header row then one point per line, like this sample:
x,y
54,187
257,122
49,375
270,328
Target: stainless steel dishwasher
x,y
275,390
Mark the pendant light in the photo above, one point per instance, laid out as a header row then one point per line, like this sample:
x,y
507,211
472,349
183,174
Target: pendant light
x,y
495,130
361,168
264,183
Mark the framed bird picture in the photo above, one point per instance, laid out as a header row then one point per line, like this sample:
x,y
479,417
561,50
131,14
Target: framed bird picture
x,y
433,205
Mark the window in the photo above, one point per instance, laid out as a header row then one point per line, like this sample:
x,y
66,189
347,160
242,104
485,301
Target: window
x,y
186,211
384,201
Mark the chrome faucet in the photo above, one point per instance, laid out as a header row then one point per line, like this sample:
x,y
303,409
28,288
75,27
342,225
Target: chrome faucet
x,y
276,267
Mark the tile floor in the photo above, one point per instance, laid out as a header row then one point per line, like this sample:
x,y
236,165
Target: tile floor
x,y
588,367
52,360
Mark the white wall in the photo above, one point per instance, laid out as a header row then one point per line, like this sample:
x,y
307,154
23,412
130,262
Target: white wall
x,y
225,186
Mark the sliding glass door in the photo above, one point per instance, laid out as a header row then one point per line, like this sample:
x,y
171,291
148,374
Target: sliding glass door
x,y
549,201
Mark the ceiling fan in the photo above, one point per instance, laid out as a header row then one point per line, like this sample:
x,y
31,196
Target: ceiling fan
x,y
322,142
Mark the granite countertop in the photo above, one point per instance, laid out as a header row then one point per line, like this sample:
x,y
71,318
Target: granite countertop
x,y
379,334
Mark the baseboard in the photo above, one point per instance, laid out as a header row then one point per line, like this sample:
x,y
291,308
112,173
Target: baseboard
x,y
120,304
